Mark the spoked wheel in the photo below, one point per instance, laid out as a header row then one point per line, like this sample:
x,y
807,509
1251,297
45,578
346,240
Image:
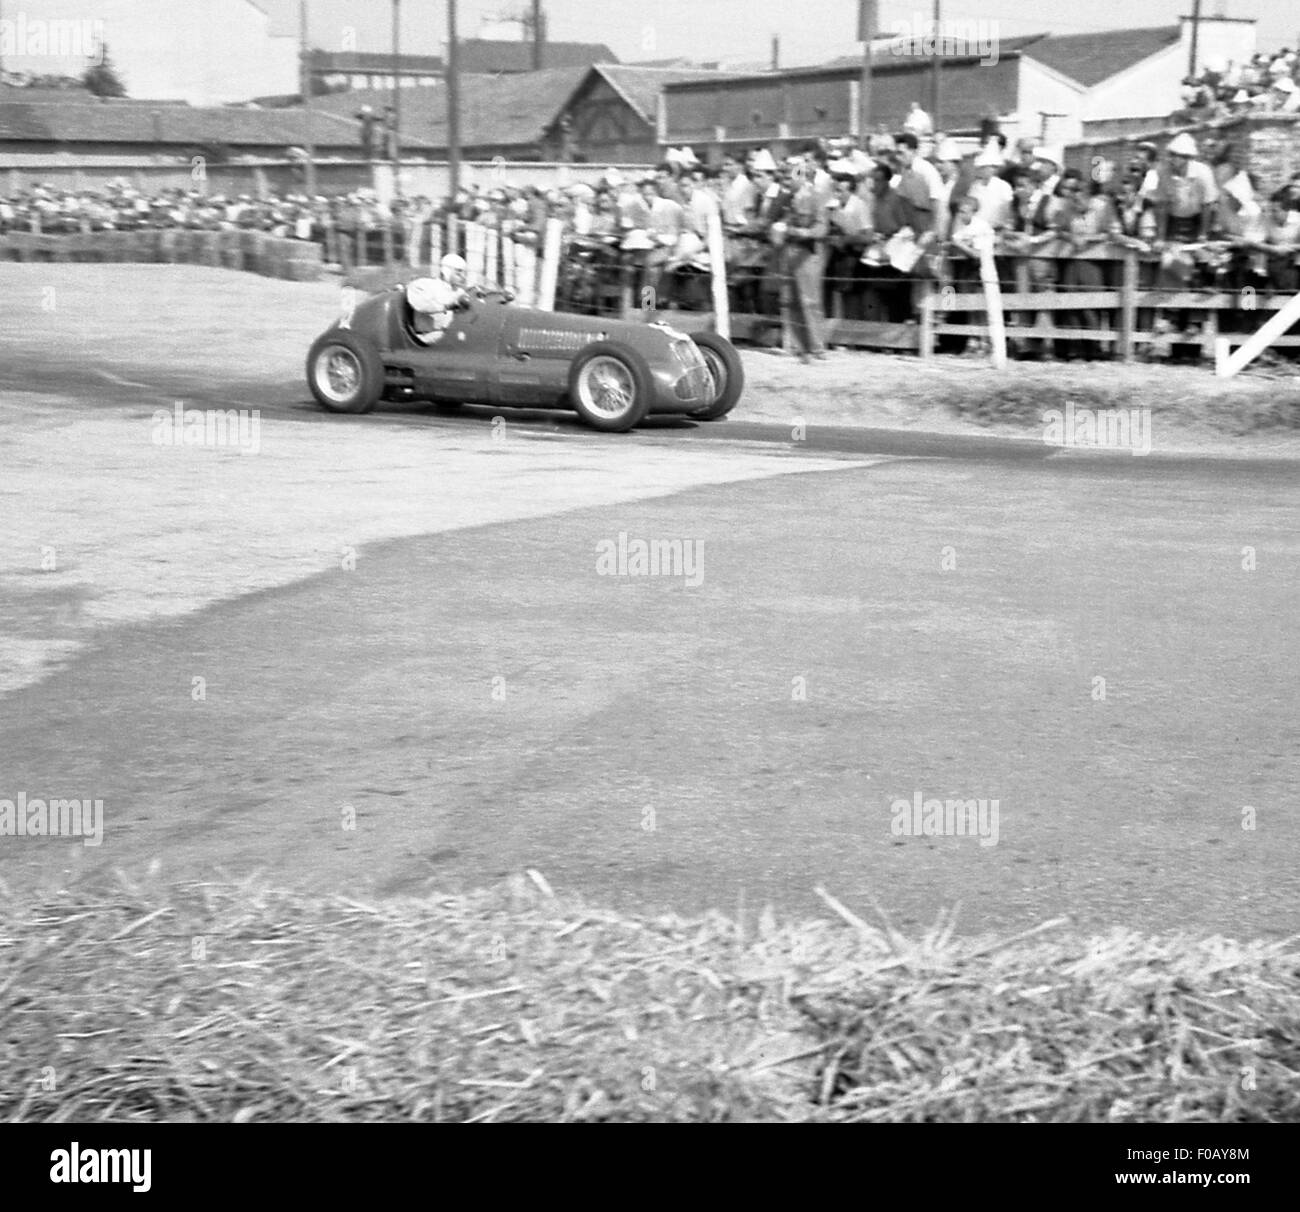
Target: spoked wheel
x,y
610,386
345,372
727,372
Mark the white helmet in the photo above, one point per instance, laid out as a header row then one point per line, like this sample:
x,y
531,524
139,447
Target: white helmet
x,y
452,263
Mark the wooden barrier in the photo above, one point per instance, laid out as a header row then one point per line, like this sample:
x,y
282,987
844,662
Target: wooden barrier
x,y
295,260
1123,305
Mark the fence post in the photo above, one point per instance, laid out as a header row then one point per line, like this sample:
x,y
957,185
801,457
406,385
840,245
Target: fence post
x,y
414,241
473,250
550,265
993,301
1228,364
435,247
526,271
625,292
718,266
509,279
1128,306
929,301
493,261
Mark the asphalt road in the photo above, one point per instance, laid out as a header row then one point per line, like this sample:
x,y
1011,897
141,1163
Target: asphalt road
x,y
484,700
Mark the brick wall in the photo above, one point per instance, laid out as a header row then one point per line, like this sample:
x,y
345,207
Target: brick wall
x,y
1271,143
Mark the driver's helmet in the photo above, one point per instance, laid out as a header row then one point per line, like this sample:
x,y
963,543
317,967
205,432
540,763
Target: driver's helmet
x,y
454,270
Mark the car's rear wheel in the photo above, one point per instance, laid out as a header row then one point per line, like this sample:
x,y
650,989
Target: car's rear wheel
x,y
610,385
345,372
727,372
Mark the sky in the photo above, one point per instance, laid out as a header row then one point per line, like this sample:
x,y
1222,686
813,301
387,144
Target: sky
x,y
734,31
810,31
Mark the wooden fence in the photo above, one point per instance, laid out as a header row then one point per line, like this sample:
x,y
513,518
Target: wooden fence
x,y
1126,315
252,251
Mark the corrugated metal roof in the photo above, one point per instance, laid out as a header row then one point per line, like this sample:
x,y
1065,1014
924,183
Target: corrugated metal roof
x,y
168,125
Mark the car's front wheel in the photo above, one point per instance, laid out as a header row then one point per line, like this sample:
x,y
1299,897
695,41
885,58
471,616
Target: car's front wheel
x,y
345,372
727,372
610,385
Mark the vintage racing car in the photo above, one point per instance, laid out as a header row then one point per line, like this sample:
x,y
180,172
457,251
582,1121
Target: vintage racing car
x,y
613,373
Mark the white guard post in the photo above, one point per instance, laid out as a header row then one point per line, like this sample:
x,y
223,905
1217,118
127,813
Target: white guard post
x,y
1227,364
475,251
550,265
993,301
718,267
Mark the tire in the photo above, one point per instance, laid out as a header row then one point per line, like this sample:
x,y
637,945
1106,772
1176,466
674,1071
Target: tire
x,y
727,372
345,372
610,386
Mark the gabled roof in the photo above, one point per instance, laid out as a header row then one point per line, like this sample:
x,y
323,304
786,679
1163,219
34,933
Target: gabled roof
x,y
488,56
169,125
512,110
1092,58
887,57
641,85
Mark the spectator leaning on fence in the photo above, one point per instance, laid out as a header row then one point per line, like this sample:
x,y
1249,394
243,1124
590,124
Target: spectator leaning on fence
x,y
993,195
1185,195
952,186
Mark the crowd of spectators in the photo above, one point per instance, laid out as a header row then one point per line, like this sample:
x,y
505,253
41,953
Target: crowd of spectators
x,y
837,229
1266,83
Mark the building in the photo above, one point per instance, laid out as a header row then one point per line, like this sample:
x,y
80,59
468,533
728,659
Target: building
x,y
606,113
339,71
33,133
1131,77
1049,87
783,109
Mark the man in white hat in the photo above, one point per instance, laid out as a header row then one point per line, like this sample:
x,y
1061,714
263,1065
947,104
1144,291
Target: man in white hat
x,y
948,159
918,122
1185,195
1284,96
1045,172
994,197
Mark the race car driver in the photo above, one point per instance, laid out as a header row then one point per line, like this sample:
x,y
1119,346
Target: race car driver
x,y
435,300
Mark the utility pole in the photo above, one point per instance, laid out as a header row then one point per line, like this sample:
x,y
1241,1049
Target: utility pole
x,y
396,135
776,52
1196,36
453,100
936,65
305,77
866,31
539,35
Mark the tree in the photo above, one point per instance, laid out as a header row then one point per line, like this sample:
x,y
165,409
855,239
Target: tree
x,y
102,79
